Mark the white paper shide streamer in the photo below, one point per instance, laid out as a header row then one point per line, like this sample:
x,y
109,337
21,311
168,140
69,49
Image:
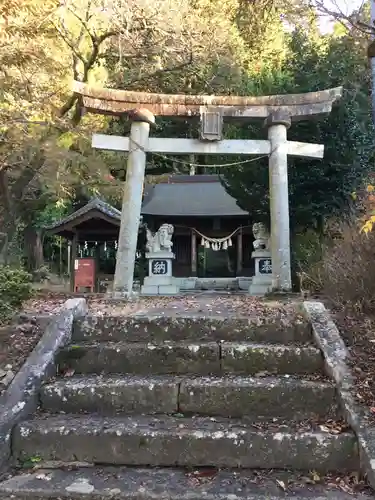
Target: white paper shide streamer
x,y
217,244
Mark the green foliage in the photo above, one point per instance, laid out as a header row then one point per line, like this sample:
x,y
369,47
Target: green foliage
x,y
201,46
307,253
317,188
53,212
15,288
344,273
40,274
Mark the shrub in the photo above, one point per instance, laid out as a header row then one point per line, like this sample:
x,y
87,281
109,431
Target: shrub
x,y
306,258
345,274
41,274
15,288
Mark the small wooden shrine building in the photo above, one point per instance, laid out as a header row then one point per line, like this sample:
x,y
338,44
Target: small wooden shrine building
x,y
212,237
92,232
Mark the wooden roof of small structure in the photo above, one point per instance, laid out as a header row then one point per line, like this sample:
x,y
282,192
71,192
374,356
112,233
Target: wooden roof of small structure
x,y
90,219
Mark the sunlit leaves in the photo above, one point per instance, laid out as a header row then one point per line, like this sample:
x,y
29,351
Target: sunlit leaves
x,y
319,189
66,140
367,206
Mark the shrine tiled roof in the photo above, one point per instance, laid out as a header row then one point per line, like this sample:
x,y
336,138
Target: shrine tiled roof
x,y
179,196
190,195
94,204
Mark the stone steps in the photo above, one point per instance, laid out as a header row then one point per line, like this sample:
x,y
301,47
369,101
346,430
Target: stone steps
x,y
119,483
200,358
157,328
186,393
184,442
255,398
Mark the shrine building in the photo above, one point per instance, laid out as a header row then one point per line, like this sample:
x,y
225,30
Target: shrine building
x,y
212,237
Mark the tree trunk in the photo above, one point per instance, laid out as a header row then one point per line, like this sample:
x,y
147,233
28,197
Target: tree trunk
x,y
3,249
33,248
8,225
6,237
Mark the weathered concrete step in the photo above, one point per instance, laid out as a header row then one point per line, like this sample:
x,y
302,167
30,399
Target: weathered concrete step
x,y
252,359
110,395
204,358
170,441
256,398
209,328
119,483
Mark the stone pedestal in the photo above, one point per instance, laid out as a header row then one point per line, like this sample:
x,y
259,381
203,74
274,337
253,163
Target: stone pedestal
x,y
160,280
262,280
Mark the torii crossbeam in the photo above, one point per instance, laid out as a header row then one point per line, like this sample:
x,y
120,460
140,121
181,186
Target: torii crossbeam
x,y
278,111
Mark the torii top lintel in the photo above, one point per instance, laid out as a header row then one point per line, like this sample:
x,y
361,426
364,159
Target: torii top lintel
x,y
117,102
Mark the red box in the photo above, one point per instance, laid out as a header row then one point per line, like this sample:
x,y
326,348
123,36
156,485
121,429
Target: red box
x,y
84,274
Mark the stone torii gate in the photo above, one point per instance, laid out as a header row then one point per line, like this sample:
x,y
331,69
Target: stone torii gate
x,y
277,111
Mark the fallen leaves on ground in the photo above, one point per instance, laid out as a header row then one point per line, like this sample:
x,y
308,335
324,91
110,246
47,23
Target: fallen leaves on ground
x,y
358,332
281,484
327,426
18,339
290,481
203,475
16,343
334,426
45,304
258,310
294,481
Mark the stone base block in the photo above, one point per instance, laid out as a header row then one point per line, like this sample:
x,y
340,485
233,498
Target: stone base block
x,y
259,288
166,289
217,284
150,290
244,282
158,280
121,295
169,289
186,283
160,255
160,285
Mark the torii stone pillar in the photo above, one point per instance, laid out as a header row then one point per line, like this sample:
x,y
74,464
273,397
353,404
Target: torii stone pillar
x,y
278,124
131,209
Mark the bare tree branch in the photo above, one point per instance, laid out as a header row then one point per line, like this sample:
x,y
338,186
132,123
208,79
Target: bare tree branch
x,y
159,72
72,45
345,19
